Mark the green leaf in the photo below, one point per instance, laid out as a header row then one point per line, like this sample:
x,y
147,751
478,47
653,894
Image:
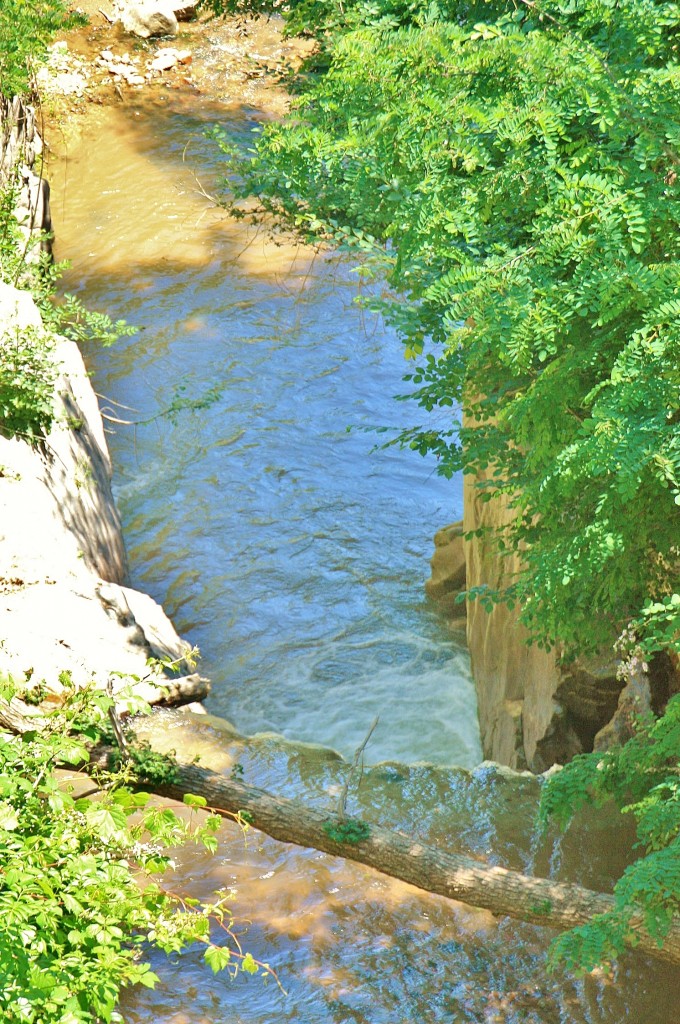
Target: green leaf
x,y
194,801
248,964
108,822
217,958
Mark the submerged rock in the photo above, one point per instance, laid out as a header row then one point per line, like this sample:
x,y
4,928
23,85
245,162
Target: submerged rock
x,y
168,58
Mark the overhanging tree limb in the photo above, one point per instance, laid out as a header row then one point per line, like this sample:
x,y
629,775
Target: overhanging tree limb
x,y
503,892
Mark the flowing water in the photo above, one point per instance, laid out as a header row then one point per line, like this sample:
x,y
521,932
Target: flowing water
x,y
277,541
294,556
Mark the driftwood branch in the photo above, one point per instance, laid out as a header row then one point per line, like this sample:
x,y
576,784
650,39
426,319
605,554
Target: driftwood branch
x,y
117,725
503,892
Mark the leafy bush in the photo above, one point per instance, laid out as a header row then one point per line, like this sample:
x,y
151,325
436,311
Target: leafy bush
x,y
75,919
642,778
27,368
27,377
26,28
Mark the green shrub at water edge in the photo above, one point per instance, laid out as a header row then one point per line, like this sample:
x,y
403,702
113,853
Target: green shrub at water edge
x,y
27,376
27,367
76,922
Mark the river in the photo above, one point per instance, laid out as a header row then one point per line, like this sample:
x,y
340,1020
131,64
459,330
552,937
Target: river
x,y
294,555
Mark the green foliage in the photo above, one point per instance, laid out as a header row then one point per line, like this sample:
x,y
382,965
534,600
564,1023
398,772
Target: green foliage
x,y
26,27
511,173
323,17
348,830
75,919
27,370
27,367
70,318
27,376
658,624
642,778
149,765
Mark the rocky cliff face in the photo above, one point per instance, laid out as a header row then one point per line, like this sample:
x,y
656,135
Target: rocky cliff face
x,y
63,600
64,605
20,148
532,711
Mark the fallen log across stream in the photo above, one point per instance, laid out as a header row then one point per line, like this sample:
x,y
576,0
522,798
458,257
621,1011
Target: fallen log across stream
x,y
499,890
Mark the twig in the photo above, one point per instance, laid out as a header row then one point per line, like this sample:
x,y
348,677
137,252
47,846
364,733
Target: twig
x,y
117,725
105,398
342,799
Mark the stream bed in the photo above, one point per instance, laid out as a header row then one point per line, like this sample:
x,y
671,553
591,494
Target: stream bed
x,y
294,556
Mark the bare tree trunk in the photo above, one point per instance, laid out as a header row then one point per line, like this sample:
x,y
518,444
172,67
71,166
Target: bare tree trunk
x,y
536,900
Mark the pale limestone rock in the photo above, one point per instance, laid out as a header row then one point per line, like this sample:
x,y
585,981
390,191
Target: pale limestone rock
x,y
59,535
164,60
17,308
168,58
130,606
148,18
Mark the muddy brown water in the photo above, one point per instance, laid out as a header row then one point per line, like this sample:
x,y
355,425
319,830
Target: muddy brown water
x,y
295,559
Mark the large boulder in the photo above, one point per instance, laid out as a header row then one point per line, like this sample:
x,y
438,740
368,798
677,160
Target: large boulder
x,y
147,18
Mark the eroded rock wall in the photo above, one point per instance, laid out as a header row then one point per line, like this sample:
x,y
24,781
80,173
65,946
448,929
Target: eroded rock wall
x,y
533,712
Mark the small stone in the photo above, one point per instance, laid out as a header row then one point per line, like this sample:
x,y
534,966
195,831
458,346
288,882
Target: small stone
x,y
107,54
118,69
164,60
